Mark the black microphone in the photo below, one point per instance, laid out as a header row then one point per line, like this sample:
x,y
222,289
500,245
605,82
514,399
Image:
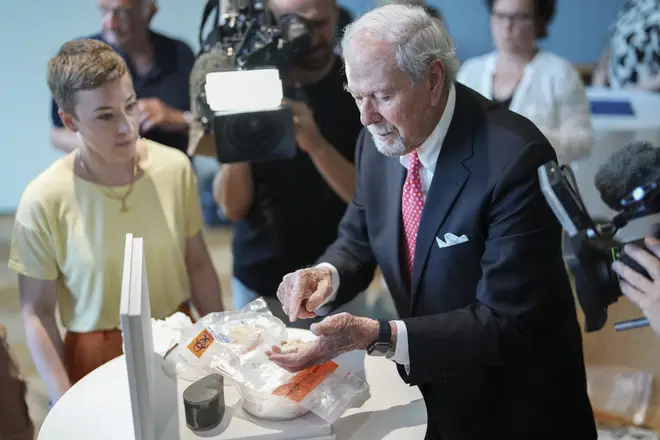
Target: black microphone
x,y
637,164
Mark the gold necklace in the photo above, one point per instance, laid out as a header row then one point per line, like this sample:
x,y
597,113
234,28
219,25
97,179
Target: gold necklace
x,y
106,190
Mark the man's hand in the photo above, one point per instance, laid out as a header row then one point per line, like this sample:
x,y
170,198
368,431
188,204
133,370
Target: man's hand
x,y
337,334
302,291
154,113
307,132
642,291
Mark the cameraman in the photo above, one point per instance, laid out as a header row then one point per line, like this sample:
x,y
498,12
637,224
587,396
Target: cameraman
x,y
286,212
639,289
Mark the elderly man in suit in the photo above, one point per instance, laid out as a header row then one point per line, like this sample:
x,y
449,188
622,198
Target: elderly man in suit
x,y
448,204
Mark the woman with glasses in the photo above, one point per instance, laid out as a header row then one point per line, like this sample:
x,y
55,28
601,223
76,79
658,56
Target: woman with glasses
x,y
539,85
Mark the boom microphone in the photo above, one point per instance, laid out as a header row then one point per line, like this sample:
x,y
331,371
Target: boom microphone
x,y
634,165
629,183
200,142
216,61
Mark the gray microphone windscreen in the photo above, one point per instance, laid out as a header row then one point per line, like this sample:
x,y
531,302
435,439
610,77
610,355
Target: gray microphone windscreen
x,y
634,165
199,142
208,62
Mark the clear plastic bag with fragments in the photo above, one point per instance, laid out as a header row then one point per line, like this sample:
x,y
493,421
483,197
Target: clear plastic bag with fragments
x,y
234,344
619,395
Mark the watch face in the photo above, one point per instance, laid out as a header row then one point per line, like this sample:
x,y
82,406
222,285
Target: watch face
x,y
379,349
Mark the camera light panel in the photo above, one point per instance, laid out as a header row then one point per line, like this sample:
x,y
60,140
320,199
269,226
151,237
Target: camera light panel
x,y
244,90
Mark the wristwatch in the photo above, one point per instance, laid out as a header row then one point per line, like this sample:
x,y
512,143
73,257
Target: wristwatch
x,y
383,345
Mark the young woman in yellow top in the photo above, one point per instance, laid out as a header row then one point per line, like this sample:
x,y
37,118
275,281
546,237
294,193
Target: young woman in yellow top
x,y
70,226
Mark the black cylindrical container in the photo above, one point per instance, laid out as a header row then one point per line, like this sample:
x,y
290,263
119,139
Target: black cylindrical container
x,y
204,403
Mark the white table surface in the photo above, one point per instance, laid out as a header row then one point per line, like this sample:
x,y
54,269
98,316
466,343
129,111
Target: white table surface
x,y
612,133
646,107
98,407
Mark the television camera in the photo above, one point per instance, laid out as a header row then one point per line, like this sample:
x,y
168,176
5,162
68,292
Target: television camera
x,y
236,81
591,244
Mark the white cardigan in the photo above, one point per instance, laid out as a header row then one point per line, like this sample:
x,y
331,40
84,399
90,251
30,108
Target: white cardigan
x,y
550,94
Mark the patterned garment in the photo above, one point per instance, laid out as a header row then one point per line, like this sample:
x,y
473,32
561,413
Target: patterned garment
x,y
635,43
412,204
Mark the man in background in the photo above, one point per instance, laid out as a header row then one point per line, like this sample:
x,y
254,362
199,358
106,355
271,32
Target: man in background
x,y
160,67
286,212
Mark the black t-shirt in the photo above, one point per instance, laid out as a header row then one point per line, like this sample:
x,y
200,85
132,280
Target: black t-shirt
x,y
296,213
168,81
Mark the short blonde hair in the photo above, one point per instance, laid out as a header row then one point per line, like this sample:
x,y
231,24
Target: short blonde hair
x,y
82,65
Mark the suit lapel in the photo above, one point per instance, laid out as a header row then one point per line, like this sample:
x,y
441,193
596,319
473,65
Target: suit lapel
x,y
393,218
448,180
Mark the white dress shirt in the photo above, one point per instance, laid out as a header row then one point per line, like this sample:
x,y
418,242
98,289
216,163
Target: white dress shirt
x,y
550,93
428,154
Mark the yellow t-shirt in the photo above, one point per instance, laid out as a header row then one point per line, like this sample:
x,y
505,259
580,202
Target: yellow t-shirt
x,y
67,229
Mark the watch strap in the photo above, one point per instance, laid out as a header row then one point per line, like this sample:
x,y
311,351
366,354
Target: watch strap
x,y
384,332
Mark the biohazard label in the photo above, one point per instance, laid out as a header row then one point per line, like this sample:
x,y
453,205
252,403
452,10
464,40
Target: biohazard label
x,y
201,343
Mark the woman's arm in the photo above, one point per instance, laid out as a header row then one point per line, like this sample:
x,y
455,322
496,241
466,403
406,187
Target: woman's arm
x,y
600,77
38,300
573,137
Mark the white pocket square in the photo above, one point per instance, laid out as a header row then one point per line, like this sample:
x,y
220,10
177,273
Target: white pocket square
x,y
451,240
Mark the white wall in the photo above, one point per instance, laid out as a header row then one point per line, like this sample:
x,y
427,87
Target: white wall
x,y
31,31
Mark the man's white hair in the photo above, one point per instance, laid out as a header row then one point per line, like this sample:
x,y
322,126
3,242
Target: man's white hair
x,y
416,37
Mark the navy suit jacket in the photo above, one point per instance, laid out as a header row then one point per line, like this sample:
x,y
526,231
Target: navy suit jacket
x,y
494,341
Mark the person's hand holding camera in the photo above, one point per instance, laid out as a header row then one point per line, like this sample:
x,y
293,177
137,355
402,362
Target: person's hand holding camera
x,y
307,132
640,290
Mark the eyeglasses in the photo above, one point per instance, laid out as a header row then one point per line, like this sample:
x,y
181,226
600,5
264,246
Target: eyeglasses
x,y
520,19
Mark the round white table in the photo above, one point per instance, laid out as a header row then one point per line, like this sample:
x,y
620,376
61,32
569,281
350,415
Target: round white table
x,y
98,407
613,132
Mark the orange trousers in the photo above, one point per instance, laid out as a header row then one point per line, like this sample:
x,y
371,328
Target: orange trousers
x,y
85,352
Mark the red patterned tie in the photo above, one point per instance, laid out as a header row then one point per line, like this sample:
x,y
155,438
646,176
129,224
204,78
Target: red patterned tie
x,y
412,203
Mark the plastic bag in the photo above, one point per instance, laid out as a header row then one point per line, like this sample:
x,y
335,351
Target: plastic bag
x,y
619,394
326,389
234,344
216,342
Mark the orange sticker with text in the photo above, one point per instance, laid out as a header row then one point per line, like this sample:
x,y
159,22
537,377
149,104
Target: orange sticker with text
x,y
305,381
201,343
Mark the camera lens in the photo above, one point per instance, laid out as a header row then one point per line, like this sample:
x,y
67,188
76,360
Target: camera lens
x,y
255,131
